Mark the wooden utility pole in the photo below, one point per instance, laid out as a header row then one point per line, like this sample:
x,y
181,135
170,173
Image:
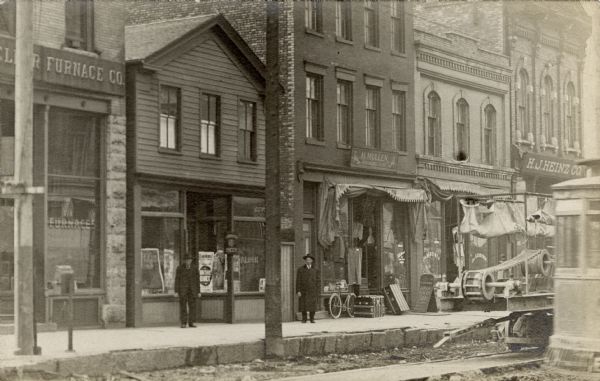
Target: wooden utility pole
x,y
24,179
273,330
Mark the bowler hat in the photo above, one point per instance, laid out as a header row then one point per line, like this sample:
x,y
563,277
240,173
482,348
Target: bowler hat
x,y
309,256
187,256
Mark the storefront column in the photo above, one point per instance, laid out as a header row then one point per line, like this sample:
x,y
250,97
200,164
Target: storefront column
x,y
133,301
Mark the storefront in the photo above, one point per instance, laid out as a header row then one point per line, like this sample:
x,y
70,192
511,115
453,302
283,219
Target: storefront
x,y
78,146
540,171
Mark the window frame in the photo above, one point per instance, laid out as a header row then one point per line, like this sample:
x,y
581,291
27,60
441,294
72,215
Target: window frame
x,y
433,144
204,115
523,109
313,16
177,134
489,129
462,125
398,35
84,38
312,131
547,106
371,32
376,111
243,132
399,120
343,20
346,110
571,131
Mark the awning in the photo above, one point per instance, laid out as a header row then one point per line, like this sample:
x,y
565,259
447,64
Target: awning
x,y
460,187
398,194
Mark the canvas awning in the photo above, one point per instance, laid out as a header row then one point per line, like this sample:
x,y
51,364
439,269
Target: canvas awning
x,y
398,194
462,187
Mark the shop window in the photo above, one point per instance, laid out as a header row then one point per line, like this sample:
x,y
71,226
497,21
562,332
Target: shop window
x,y
7,138
433,130
79,23
567,235
74,196
395,246
210,124
398,119
314,106
432,244
249,225
313,15
309,212
344,111
593,243
343,19
334,272
489,135
397,13
371,23
247,131
6,246
170,117
372,128
462,128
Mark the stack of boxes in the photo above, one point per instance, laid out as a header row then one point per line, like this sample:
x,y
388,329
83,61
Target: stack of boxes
x,y
370,306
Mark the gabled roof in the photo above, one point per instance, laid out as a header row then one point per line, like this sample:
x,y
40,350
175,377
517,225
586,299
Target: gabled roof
x,y
152,44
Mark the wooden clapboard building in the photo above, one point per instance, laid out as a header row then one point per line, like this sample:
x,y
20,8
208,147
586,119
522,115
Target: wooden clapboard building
x,y
196,165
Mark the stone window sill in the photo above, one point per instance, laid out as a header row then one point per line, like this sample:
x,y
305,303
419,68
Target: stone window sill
x,y
313,32
315,142
343,40
341,145
373,48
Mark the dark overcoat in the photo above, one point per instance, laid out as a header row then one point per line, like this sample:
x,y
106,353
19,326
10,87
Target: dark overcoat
x,y
187,280
308,283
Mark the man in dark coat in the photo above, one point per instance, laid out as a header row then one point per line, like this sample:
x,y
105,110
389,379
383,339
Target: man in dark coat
x,y
187,285
308,283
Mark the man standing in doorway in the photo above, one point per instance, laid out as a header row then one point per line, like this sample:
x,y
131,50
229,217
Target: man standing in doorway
x,y
307,287
187,285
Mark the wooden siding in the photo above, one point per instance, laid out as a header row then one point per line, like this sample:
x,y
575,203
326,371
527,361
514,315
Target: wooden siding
x,y
205,68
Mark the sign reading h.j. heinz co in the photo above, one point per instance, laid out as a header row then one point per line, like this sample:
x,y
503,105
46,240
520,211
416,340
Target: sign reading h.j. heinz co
x,y
68,68
550,166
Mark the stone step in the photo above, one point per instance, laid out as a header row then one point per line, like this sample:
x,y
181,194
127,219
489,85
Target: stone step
x,y
8,328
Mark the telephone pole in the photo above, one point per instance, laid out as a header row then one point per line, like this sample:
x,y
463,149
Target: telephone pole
x,y
273,330
23,179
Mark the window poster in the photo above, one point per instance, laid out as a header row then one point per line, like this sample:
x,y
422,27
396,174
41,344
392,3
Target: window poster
x,y
152,277
169,269
205,268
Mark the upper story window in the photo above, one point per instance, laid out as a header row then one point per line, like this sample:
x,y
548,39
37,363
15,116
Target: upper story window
x,y
398,119
7,138
314,106
489,135
210,124
547,102
344,111
523,105
79,24
372,120
170,116
313,15
397,13
8,17
343,19
371,23
433,128
462,127
247,131
570,116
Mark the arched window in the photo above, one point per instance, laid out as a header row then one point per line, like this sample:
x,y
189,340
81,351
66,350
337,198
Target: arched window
x,y
570,116
523,104
489,134
547,111
462,128
433,131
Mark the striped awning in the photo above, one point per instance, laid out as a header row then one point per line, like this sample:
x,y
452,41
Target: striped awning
x,y
398,194
461,187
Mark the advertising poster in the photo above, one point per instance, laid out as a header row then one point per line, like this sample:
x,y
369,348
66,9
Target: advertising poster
x,y
169,268
152,277
205,268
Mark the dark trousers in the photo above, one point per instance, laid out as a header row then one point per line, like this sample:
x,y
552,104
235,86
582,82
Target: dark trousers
x,y
311,313
187,302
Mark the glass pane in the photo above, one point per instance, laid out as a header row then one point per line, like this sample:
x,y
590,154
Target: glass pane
x,y
248,207
432,245
593,249
6,246
395,258
251,249
163,130
160,200
171,133
161,249
567,241
204,137
73,230
73,144
211,139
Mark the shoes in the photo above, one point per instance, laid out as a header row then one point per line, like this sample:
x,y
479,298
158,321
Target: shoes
x,y
192,325
312,321
304,321
183,325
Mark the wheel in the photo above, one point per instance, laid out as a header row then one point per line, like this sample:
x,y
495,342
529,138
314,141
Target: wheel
x,y
335,306
349,302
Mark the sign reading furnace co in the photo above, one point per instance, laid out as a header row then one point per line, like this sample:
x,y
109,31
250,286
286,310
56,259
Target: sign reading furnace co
x,y
68,68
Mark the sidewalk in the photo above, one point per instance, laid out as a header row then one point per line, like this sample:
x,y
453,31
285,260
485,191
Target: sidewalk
x,y
164,347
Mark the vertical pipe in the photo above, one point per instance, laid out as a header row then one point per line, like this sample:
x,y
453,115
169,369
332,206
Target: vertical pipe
x,y
24,176
273,318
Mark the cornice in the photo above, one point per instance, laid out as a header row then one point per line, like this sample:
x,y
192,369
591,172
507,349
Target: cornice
x,y
462,67
464,83
480,171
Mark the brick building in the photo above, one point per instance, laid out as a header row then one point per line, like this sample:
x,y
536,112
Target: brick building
x,y
79,159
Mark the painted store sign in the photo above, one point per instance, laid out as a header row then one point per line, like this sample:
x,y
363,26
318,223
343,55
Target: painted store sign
x,y
68,68
374,159
535,164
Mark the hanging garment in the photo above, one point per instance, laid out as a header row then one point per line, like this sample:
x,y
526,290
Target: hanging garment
x,y
354,265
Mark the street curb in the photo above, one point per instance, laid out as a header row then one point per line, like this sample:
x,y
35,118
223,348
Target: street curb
x,y
140,360
480,373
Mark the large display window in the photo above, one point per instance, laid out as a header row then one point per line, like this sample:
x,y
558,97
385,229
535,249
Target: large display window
x,y
6,246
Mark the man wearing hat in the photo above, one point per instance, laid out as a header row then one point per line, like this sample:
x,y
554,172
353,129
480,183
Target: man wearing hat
x,y
308,283
187,285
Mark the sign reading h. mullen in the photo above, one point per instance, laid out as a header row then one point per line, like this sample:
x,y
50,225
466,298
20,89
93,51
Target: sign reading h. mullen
x,y
535,164
373,159
67,68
